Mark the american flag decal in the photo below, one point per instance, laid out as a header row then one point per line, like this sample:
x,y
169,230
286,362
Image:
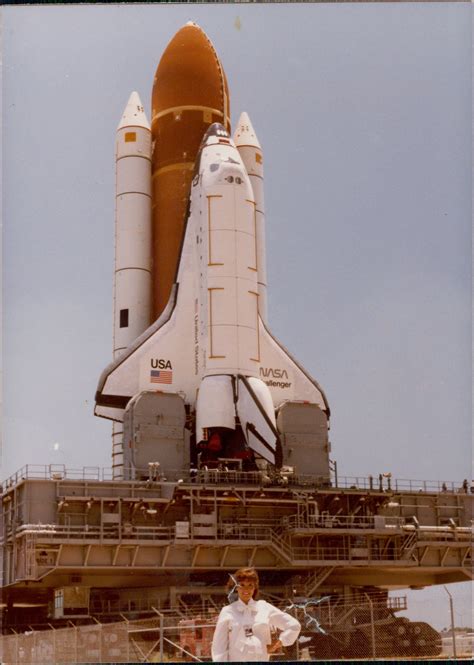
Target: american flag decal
x,y
161,376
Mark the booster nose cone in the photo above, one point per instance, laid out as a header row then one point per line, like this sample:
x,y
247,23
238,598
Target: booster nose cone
x,y
134,114
244,134
189,93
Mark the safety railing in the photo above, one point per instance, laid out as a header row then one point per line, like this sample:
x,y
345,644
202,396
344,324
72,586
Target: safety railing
x,y
344,553
326,520
216,476
254,530
58,531
258,532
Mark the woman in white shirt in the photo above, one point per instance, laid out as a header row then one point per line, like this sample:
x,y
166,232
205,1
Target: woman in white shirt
x,y
243,630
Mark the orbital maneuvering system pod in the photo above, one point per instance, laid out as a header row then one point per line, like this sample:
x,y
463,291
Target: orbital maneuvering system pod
x,y
197,378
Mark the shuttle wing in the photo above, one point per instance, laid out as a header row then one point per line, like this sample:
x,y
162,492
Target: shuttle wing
x,y
159,359
284,376
162,358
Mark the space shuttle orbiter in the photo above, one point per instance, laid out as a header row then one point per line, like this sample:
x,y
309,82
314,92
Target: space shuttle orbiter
x,y
190,256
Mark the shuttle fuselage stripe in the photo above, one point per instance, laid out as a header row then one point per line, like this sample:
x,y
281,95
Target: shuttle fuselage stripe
x,y
254,233
209,197
210,290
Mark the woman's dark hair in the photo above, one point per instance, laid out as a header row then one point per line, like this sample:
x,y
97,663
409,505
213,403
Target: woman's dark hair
x,y
247,575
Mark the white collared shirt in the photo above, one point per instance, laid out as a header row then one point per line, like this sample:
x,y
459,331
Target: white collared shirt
x,y
243,631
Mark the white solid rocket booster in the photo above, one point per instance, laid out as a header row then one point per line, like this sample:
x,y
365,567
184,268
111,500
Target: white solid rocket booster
x,y
251,153
132,225
132,278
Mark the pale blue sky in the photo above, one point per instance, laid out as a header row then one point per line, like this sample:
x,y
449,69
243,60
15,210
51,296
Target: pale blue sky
x,y
364,115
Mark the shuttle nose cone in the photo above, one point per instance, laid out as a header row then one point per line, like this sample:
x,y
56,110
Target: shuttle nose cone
x,y
215,132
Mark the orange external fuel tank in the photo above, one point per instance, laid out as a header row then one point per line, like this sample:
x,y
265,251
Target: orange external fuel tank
x,y
189,93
